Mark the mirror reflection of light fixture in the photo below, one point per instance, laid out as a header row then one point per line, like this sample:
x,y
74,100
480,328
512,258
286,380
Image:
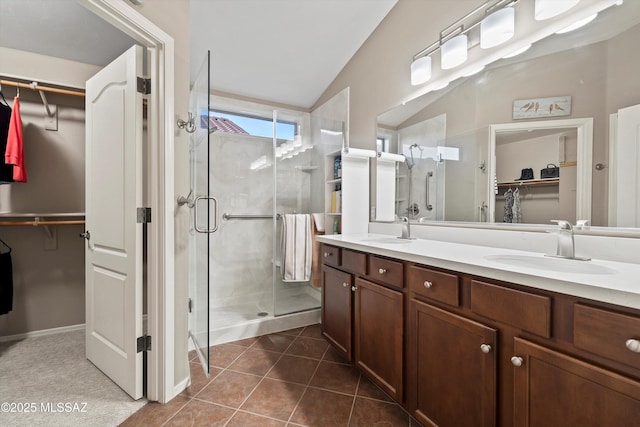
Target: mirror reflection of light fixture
x,y
517,52
420,70
578,24
545,9
497,28
476,71
453,52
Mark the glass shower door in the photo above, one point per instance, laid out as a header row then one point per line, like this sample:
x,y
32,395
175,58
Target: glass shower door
x,y
203,209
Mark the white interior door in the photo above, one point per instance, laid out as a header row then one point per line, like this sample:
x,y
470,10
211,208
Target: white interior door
x,y
624,174
114,244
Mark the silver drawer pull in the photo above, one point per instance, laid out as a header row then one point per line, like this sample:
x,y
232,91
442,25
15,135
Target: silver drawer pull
x,y
354,288
633,345
344,285
428,284
327,254
485,348
382,271
517,361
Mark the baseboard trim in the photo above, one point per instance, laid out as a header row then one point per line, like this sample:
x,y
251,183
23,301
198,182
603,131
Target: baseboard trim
x,y
43,332
180,387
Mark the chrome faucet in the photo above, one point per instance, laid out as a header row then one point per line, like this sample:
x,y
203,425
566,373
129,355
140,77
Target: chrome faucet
x,y
566,244
406,229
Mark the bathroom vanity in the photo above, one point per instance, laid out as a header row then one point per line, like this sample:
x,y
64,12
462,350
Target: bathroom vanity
x,y
466,335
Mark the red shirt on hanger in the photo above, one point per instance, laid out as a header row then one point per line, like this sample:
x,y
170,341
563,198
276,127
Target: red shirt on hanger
x,y
14,154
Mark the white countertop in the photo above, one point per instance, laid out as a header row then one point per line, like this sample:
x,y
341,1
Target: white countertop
x,y
606,281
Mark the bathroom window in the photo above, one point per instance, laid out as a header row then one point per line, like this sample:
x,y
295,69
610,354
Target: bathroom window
x,y
252,125
381,144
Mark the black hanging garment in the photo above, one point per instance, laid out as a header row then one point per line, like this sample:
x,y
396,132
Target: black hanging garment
x,y
6,280
6,171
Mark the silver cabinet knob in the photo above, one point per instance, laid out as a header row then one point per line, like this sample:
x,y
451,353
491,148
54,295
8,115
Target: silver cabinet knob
x,y
485,348
382,271
344,285
327,254
517,361
633,345
354,288
428,284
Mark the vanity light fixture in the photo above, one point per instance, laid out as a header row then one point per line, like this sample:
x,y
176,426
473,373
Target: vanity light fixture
x,y
496,19
454,52
420,70
545,9
578,24
497,28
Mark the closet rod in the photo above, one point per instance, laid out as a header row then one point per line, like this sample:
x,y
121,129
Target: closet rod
x,y
36,223
42,88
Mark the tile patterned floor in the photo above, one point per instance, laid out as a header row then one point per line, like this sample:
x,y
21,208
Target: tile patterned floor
x,y
292,378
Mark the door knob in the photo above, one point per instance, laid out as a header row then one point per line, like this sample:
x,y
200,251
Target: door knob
x,y
485,348
86,235
517,361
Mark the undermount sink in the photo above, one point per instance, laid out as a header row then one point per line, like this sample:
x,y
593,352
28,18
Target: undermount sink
x,y
562,265
392,240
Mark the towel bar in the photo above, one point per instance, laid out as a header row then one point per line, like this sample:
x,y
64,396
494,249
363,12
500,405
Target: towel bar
x,y
227,216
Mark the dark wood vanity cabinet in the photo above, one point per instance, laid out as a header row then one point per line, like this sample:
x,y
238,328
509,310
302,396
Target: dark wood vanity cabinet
x,y
363,320
554,389
336,310
471,351
452,368
378,337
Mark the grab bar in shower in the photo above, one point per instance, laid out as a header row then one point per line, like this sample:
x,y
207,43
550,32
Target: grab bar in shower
x,y
429,206
228,216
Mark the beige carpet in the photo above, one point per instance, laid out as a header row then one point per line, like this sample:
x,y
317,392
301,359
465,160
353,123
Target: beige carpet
x,y
50,377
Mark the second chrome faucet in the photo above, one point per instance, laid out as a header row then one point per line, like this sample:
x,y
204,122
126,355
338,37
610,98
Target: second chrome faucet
x,y
566,244
406,229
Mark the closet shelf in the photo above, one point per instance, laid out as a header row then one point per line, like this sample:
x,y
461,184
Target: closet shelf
x,y
45,219
528,183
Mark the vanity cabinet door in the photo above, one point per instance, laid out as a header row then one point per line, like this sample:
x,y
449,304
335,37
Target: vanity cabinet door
x,y
336,309
553,389
452,368
378,317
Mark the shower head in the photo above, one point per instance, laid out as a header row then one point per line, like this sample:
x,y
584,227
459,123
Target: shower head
x,y
412,163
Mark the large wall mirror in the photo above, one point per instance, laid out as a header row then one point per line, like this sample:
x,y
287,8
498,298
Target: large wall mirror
x,y
483,141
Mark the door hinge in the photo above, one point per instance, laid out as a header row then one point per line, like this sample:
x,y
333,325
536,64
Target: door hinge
x,y
144,86
190,305
144,343
144,215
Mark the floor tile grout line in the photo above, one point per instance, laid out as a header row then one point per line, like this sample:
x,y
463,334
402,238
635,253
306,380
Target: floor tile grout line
x,y
306,387
176,413
261,379
353,404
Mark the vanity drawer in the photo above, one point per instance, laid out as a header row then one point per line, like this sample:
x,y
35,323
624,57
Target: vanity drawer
x,y
355,262
386,271
330,255
606,334
435,285
523,310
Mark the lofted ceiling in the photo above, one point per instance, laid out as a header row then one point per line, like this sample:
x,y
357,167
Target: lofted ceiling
x,y
282,51
286,51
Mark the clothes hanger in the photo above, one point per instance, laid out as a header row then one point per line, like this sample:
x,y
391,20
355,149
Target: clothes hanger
x,y
3,98
7,246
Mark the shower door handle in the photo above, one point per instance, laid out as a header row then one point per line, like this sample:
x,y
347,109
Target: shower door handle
x,y
429,206
215,215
